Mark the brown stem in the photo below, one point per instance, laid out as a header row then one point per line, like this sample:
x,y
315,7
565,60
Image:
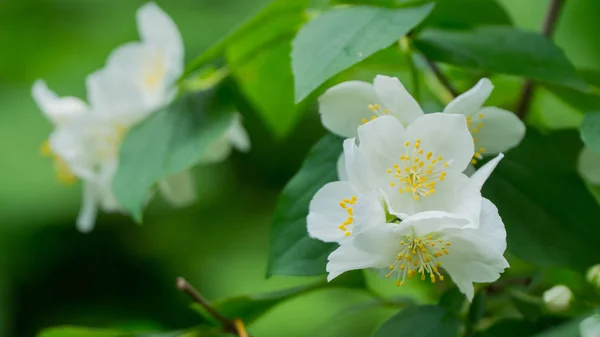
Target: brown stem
x,y
236,326
547,30
441,77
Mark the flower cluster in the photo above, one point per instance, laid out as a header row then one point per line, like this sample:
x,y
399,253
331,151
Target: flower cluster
x,y
403,204
138,79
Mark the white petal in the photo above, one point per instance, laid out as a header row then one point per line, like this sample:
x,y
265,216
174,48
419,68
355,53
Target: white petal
x,y
57,109
157,28
445,135
179,189
325,213
216,152
590,327
472,100
344,106
108,201
237,135
341,167
348,257
480,176
89,209
589,165
434,221
396,99
500,130
358,169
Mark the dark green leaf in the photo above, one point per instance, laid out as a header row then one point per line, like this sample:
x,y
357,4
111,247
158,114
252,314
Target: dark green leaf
x,y
477,308
504,50
293,252
453,300
249,308
421,321
343,37
550,217
510,328
569,329
529,306
167,142
465,14
590,131
584,102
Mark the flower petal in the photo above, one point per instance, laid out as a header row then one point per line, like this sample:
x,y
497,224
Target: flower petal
x,y
396,99
491,226
444,135
589,165
89,208
472,100
179,189
480,176
57,109
237,135
341,168
500,130
344,106
326,215
157,28
358,169
349,257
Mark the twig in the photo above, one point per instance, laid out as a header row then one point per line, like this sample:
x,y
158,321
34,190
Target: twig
x,y
441,77
547,30
235,326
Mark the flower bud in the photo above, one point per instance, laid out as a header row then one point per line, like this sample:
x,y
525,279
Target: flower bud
x,y
593,276
590,327
558,298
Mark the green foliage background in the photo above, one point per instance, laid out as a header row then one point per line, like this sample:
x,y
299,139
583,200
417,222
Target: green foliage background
x,y
122,275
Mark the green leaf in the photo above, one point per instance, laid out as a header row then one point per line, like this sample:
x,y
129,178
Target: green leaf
x,y
421,321
340,38
477,308
293,252
590,131
169,141
550,217
260,61
465,14
453,300
532,308
510,328
569,329
504,50
71,331
249,308
269,24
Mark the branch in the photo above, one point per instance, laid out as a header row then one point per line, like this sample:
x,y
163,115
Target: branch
x,y
441,77
235,326
547,30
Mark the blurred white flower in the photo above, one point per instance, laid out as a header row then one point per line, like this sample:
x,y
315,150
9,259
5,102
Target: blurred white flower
x,y
558,298
589,165
424,244
494,130
346,106
590,327
139,78
593,276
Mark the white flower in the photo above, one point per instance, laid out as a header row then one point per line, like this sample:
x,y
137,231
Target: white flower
x,y
558,298
425,244
590,327
593,276
494,130
589,165
420,167
139,77
58,110
344,208
346,106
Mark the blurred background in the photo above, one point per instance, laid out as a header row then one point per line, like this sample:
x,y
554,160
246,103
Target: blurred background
x,y
122,275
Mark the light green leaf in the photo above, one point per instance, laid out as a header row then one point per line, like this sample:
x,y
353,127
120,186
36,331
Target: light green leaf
x,y
590,131
465,14
342,37
71,331
504,50
167,142
421,321
293,252
550,217
249,308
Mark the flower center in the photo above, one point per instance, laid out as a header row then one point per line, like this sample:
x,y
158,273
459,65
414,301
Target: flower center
x,y
417,172
475,128
419,255
63,173
348,205
154,74
377,111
